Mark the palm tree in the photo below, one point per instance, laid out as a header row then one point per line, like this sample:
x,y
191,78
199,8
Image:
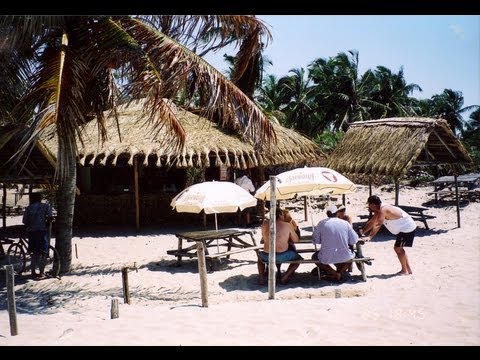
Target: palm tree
x,y
299,99
449,106
73,68
271,98
392,91
342,93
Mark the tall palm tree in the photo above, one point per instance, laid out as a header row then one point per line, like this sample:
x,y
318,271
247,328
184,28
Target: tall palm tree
x,y
343,94
298,94
449,106
271,98
80,66
393,92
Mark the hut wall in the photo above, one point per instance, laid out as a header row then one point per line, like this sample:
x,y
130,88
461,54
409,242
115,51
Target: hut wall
x,y
101,209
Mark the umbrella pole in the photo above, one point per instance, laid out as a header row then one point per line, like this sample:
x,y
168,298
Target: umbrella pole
x,y
313,226
272,238
216,229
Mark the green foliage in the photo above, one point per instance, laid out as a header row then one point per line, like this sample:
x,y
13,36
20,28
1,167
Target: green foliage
x,y
328,139
471,145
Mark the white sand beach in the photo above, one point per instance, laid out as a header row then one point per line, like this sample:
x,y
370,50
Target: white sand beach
x,y
437,305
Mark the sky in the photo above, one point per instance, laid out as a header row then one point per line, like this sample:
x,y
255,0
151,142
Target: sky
x,y
436,52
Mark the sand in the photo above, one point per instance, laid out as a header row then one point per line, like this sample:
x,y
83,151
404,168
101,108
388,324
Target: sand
x,y
437,305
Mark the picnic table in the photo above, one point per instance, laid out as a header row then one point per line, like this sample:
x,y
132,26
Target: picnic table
x,y
417,213
360,260
229,238
468,185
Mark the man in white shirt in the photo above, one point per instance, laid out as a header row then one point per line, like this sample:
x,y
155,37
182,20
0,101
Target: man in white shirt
x,y
398,222
245,182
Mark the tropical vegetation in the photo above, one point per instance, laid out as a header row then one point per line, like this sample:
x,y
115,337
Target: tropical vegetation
x,y
60,72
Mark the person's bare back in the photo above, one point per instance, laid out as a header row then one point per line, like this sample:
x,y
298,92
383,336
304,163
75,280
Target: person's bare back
x,y
284,234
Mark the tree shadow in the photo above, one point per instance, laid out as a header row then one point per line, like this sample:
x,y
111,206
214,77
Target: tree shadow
x,y
191,265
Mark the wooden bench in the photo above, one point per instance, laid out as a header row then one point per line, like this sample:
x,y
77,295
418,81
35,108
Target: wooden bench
x,y
229,238
359,260
466,195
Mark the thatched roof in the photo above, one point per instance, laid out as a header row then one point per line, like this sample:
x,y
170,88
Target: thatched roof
x,y
389,147
205,142
37,166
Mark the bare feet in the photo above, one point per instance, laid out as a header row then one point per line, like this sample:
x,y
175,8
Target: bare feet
x,y
40,277
402,273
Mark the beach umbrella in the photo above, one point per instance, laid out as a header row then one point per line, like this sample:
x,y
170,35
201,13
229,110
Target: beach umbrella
x,y
307,181
213,197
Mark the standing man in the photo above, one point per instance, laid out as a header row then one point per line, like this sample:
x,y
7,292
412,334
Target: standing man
x,y
247,184
334,236
398,222
37,219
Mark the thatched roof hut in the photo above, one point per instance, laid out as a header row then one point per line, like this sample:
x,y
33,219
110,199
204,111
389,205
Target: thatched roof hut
x,y
389,147
137,169
205,142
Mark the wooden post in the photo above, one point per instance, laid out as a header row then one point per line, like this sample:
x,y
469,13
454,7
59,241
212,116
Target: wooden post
x,y
397,190
4,206
12,312
369,194
202,271
126,293
456,197
137,196
114,309
305,207
76,252
273,235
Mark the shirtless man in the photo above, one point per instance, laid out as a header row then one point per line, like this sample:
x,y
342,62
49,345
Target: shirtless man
x,y
398,222
284,233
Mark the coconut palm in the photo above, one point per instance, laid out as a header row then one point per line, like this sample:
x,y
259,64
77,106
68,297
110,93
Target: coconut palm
x,y
449,106
299,100
73,68
392,91
342,93
272,99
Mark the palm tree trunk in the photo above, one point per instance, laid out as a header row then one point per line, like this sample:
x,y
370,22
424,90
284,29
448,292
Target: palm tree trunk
x,y
65,207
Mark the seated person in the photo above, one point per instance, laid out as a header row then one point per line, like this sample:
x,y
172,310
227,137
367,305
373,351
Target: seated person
x,y
287,217
284,234
342,214
334,235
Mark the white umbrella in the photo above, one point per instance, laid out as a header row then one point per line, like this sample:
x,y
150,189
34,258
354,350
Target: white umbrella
x,y
213,197
307,181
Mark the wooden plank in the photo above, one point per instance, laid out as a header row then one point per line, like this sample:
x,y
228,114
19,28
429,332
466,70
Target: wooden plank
x,y
226,253
312,261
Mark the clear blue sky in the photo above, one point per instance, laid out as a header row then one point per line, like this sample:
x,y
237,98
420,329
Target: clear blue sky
x,y
437,52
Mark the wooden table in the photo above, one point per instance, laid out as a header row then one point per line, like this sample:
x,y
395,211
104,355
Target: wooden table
x,y
417,213
229,238
468,187
360,260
